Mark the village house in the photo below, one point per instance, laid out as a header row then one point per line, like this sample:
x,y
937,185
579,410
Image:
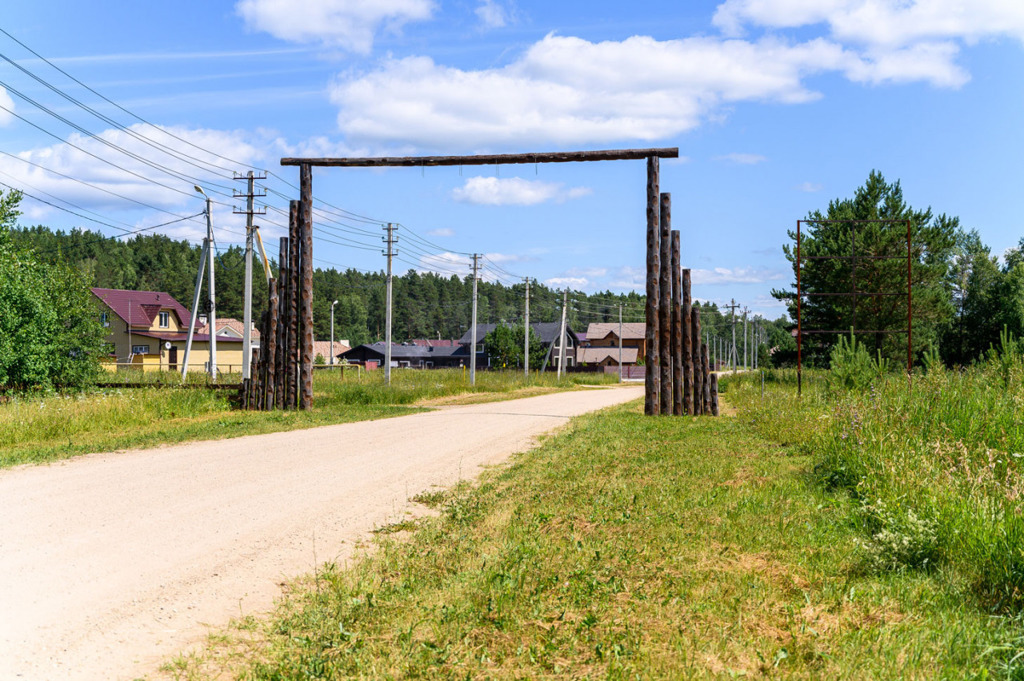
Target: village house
x,y
548,332
408,355
603,344
148,330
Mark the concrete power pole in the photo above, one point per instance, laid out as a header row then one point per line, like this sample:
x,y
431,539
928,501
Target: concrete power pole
x,y
620,342
472,334
746,365
391,240
561,335
526,332
732,317
249,211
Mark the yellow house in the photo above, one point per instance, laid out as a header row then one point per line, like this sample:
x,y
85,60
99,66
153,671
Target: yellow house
x,y
149,330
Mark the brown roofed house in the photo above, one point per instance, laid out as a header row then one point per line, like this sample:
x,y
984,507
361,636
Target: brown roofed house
x,y
149,330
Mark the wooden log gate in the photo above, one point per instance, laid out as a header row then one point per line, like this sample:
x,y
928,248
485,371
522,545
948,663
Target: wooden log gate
x,y
284,368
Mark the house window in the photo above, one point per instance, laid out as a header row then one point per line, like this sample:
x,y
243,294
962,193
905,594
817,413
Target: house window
x,y
165,320
104,320
140,349
479,347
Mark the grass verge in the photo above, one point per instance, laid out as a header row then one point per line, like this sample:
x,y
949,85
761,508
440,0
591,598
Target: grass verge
x,y
623,547
41,429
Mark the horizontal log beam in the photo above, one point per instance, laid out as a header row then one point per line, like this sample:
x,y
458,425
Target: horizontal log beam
x,y
488,159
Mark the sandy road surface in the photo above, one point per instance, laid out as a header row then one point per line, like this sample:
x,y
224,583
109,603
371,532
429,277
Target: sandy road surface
x,y
110,563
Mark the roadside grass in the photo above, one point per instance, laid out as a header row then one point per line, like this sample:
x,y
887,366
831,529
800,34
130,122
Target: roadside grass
x,y
623,547
53,427
933,468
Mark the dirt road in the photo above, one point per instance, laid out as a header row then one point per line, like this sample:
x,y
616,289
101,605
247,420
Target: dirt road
x,y
110,563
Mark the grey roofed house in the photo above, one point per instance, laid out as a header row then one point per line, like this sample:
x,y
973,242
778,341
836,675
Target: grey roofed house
x,y
546,331
416,356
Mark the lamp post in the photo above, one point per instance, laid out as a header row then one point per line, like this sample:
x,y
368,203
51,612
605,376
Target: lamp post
x,y
332,330
206,257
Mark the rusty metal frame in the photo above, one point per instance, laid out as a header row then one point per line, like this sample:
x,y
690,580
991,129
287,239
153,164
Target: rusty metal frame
x,y
853,293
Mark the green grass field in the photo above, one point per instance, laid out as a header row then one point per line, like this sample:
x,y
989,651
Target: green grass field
x,y
40,429
632,547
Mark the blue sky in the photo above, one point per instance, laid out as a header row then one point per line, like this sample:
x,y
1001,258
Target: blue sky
x,y
777,106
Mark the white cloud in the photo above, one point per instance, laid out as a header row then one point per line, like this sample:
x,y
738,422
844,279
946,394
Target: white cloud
x,y
888,23
442,231
346,24
7,103
809,187
736,275
742,159
447,264
122,189
630,278
514,191
569,91
493,14
577,283
590,272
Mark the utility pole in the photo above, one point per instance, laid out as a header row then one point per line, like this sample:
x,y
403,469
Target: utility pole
x,y
526,332
332,331
472,338
249,211
732,316
745,364
620,342
561,335
391,240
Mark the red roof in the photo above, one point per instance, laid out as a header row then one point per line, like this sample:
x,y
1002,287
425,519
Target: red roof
x,y
141,307
182,336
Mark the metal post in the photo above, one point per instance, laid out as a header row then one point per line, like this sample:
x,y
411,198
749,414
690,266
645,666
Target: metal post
x,y
652,374
473,340
910,306
799,329
732,314
390,240
526,333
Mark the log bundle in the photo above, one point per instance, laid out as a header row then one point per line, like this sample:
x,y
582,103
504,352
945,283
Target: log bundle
x,y
678,377
281,373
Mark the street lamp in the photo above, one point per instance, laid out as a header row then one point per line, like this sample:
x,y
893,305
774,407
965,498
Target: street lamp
x,y
206,259
332,330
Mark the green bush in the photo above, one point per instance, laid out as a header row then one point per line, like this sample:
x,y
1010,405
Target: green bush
x,y
50,334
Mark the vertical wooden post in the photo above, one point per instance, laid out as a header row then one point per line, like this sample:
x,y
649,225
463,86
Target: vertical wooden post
x,y
652,374
698,374
714,394
705,380
665,304
677,328
271,343
283,279
306,225
293,305
687,314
